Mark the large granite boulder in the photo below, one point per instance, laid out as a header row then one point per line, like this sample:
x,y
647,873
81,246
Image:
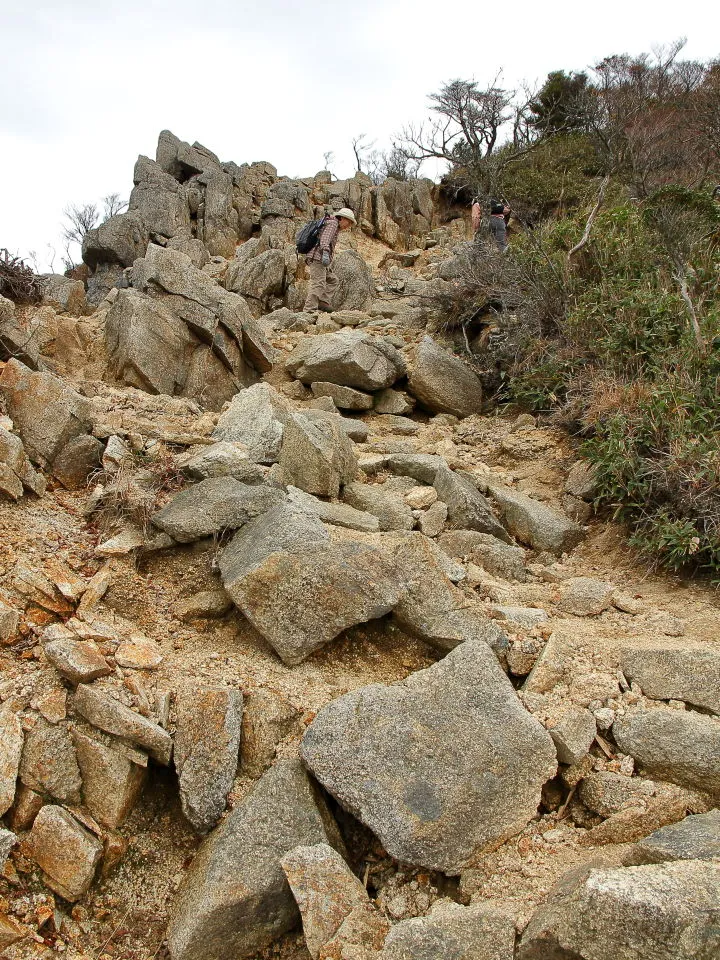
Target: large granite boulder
x,y
664,911
439,766
351,358
120,240
694,838
442,382
318,456
148,346
676,745
234,899
298,588
468,509
356,289
159,201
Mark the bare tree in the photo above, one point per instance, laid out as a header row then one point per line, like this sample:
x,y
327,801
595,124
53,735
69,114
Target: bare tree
x,y
328,158
112,205
80,219
362,150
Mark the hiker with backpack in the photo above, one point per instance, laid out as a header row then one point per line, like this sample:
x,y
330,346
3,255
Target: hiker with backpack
x,y
317,240
499,215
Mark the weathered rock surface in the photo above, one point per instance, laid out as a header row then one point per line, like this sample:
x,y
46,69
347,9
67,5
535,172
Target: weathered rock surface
x,y
394,401
336,911
350,358
671,673
585,596
67,852
339,514
48,763
63,294
452,932
220,503
120,240
438,766
468,509
234,899
432,608
534,523
255,418
108,714
346,398
111,782
390,509
7,842
225,458
268,718
317,457
77,460
659,911
46,412
442,382
79,661
207,744
573,734
420,466
298,589
16,471
675,745
495,556
11,745
694,838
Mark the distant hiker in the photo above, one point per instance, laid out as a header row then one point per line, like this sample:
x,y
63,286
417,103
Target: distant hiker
x,y
323,282
498,223
476,216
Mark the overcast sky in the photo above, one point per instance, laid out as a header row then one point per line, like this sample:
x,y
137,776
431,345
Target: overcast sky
x,y
87,86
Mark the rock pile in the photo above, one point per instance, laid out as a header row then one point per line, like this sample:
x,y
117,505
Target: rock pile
x,y
320,605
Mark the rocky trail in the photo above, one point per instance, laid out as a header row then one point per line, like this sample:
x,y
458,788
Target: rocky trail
x,y
306,650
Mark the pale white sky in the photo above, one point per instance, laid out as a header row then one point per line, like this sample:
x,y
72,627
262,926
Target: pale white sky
x,y
87,86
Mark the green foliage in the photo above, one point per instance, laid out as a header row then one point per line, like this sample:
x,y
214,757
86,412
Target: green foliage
x,y
554,177
621,359
559,103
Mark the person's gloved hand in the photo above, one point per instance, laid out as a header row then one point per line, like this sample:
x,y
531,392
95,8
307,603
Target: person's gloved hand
x,y
326,258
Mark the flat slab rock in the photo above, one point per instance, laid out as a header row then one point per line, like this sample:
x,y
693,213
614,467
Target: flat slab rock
x,y
534,523
336,911
11,745
671,673
67,853
680,746
207,745
453,932
234,899
298,588
220,503
439,766
112,716
694,838
662,911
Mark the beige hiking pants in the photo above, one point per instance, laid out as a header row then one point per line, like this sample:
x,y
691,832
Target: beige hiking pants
x,y
323,286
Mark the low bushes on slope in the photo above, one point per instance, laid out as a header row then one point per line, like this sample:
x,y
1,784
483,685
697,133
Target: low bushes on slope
x,y
628,349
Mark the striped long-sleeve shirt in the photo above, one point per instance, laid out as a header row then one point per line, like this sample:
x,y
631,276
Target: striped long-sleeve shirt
x,y
326,241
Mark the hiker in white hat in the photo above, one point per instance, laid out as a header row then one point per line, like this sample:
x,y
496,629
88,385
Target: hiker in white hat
x,y
323,281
